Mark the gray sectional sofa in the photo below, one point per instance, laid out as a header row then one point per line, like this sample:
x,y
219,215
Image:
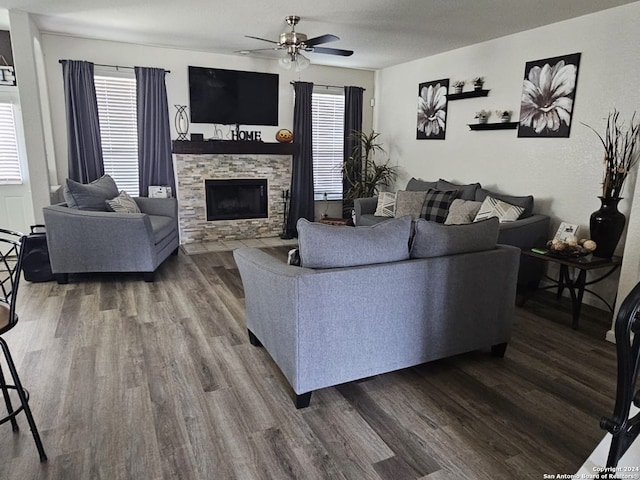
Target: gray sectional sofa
x,y
529,231
363,303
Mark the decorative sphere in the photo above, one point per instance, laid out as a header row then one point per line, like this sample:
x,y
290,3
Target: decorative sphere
x,y
284,136
589,245
572,240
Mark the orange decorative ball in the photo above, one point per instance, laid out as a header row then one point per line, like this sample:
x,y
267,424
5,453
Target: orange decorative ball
x,y
284,136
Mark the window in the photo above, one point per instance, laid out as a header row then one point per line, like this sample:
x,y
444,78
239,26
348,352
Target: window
x,y
9,158
119,129
328,140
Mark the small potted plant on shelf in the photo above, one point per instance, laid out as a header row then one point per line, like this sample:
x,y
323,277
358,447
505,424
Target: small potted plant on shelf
x,y
482,116
505,115
478,82
457,86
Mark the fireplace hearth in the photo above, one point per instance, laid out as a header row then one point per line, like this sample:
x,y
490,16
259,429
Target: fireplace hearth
x,y
234,199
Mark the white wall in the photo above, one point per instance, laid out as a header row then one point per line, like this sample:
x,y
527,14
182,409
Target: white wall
x,y
56,47
564,175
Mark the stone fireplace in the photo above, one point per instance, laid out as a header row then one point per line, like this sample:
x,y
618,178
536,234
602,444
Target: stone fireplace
x,y
245,181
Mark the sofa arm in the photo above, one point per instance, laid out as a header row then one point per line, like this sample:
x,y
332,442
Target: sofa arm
x,y
167,207
364,206
529,232
87,241
525,234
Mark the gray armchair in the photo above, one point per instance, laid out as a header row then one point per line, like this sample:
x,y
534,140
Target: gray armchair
x,y
83,241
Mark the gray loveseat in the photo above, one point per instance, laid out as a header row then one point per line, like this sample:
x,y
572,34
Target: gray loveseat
x,y
529,231
85,241
368,308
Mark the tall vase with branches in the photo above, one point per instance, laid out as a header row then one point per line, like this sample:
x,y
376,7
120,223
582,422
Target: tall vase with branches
x,y
621,153
362,174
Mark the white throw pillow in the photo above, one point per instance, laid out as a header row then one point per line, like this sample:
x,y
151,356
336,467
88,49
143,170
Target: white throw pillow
x,y
123,203
386,205
503,211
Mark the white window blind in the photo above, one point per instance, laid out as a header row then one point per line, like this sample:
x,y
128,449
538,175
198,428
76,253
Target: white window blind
x,y
119,130
328,139
9,158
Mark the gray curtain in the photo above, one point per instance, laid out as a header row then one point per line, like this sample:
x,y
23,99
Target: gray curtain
x,y
83,127
154,139
352,121
302,204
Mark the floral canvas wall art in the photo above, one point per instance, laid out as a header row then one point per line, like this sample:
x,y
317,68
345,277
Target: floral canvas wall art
x,y
548,94
432,110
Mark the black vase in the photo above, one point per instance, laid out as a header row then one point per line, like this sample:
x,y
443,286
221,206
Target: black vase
x,y
606,227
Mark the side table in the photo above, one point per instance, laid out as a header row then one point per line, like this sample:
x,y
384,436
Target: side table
x,y
579,285
336,221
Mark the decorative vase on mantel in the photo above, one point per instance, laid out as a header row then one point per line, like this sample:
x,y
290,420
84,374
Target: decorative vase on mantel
x,y
606,226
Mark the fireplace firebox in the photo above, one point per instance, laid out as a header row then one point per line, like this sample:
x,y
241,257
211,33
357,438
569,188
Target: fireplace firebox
x,y
235,199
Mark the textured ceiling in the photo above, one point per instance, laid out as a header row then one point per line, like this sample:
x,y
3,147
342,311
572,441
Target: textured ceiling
x,y
381,32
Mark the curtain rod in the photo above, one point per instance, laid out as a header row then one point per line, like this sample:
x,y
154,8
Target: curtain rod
x,y
113,66
330,86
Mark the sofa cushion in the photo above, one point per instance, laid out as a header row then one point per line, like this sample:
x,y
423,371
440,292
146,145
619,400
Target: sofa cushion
x,y
386,204
162,227
409,203
465,192
433,239
436,205
416,185
525,202
503,211
91,196
332,246
123,203
462,211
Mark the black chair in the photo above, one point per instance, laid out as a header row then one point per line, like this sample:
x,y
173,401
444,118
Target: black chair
x,y
623,428
11,255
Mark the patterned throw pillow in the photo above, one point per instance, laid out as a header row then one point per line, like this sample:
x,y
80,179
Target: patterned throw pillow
x,y
123,203
409,203
462,211
503,211
436,204
386,205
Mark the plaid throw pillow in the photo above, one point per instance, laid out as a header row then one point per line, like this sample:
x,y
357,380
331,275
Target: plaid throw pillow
x,y
436,205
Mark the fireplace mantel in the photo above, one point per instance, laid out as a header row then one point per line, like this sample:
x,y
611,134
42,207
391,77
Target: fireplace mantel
x,y
231,147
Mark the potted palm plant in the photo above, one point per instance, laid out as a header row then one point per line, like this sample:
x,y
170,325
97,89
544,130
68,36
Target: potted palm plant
x,y
362,174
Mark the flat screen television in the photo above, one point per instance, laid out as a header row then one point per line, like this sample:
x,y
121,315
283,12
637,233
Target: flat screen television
x,y
232,97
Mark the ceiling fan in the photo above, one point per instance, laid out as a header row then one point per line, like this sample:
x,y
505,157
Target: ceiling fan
x,y
295,43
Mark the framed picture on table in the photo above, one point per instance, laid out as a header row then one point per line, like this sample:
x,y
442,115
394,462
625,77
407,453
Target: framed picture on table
x,y
566,230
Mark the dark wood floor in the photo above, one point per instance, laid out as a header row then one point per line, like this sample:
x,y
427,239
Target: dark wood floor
x,y
135,380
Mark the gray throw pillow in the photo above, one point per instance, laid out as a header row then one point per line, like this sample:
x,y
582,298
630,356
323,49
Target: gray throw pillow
x,y
409,203
433,239
465,192
462,211
123,203
525,202
91,196
332,246
416,185
436,205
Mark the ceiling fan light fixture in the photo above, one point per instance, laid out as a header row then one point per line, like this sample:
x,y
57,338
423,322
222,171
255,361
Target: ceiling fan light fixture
x,y
285,62
301,62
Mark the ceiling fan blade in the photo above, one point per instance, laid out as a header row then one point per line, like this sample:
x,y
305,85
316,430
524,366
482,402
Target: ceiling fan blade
x,y
321,39
270,49
331,51
263,39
